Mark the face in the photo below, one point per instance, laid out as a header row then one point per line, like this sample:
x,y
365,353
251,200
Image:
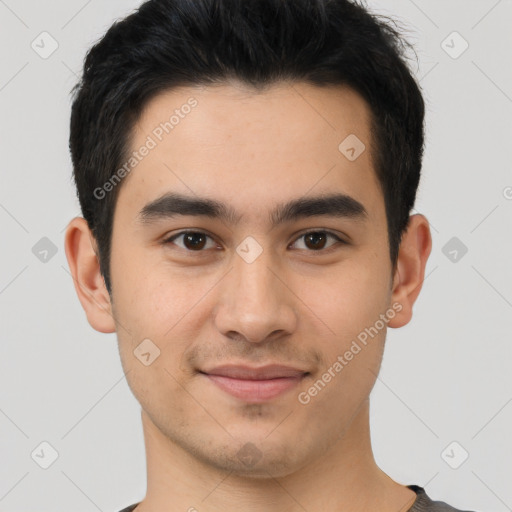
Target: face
x,y
257,288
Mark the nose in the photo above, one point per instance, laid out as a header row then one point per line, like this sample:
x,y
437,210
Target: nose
x,y
255,301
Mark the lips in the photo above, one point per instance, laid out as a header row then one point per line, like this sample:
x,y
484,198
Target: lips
x,y
255,385
273,371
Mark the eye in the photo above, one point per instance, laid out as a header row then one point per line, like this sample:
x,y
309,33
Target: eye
x,y
193,240
316,240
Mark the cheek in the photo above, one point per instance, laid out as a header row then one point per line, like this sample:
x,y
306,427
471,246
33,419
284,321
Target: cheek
x,y
348,298
166,307
152,312
150,296
347,306
159,390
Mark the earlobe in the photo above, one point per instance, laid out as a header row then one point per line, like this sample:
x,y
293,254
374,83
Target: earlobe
x,y
85,270
414,251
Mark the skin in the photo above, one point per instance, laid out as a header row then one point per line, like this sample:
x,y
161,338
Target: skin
x,y
294,305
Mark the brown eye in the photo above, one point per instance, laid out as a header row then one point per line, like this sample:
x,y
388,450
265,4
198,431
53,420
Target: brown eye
x,y
192,240
316,240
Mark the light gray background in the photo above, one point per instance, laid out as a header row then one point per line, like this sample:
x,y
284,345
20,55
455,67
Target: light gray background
x,y
445,376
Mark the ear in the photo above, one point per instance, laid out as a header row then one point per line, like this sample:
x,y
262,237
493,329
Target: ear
x,y
413,254
81,253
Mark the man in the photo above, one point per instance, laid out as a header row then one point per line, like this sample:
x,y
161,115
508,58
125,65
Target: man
x,y
246,172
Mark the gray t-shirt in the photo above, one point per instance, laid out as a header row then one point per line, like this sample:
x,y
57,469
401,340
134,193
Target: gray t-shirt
x,y
422,504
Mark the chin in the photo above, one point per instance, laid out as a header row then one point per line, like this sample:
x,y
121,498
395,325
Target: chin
x,y
256,460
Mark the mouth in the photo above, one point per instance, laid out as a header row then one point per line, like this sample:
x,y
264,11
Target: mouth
x,y
255,385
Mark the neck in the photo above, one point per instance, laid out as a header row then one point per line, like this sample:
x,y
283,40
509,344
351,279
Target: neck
x,y
345,477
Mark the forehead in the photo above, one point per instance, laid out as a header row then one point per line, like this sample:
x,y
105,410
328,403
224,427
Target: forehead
x,y
253,149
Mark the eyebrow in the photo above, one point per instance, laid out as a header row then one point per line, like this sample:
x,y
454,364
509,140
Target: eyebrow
x,y
171,205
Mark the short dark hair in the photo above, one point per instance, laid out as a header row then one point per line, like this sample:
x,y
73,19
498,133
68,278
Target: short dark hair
x,y
169,43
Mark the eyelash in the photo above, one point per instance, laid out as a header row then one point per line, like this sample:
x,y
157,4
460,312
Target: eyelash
x,y
170,239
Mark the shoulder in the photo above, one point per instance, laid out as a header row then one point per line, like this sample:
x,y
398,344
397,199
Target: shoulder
x,y
423,503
